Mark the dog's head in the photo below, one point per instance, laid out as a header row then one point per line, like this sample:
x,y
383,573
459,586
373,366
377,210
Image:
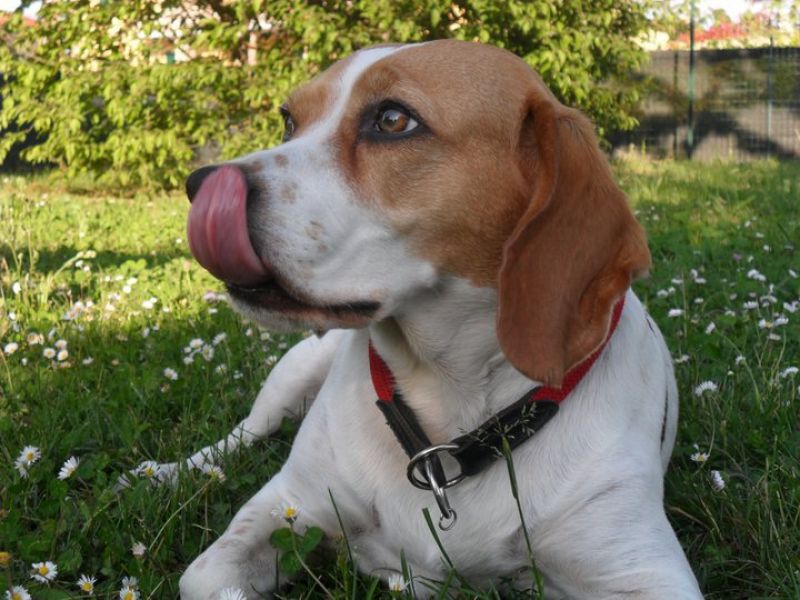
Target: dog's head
x,y
402,165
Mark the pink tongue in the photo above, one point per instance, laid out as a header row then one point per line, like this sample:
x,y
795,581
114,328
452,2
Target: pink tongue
x,y
217,229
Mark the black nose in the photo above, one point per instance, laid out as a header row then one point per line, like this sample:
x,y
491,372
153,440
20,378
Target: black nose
x,y
195,180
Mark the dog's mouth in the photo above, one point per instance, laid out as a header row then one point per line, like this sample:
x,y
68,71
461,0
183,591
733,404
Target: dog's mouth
x,y
219,239
274,297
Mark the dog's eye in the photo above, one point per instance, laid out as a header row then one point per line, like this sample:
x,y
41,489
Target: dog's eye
x,y
394,120
288,124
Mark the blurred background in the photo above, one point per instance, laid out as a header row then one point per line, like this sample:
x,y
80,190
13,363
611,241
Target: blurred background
x,y
136,93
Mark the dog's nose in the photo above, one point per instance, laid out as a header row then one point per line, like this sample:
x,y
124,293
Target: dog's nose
x,y
196,178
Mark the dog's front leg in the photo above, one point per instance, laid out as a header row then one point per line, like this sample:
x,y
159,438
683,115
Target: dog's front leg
x,y
288,391
243,557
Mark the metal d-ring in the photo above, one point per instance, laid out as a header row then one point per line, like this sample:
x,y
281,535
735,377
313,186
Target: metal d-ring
x,y
426,456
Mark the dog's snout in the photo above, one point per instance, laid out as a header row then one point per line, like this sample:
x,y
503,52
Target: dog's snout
x,y
196,178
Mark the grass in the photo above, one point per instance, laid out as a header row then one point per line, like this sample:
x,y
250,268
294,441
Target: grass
x,y
723,239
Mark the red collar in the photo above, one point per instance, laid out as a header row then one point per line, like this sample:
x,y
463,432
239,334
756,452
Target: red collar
x,y
480,447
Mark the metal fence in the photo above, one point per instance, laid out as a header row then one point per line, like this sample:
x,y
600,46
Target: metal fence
x,y
746,104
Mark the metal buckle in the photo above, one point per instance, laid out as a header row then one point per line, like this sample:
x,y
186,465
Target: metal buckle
x,y
427,456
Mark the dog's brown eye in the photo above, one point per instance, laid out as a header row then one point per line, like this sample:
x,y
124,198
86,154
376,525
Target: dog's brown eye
x,y
394,120
288,124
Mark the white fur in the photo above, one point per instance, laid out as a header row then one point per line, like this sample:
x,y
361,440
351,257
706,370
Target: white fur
x,y
590,483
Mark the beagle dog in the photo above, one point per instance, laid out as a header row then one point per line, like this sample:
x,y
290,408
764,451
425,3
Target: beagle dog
x,y
457,233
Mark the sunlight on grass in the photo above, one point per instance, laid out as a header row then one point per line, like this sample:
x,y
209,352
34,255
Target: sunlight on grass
x,y
116,349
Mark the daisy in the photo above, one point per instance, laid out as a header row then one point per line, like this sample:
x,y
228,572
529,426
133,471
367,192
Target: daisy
x,y
16,288
138,549
171,374
86,584
29,455
60,344
18,593
128,593
87,361
699,457
62,355
681,359
130,582
397,582
49,353
214,472
148,469
756,275
740,359
208,353
750,305
68,468
710,329
232,593
187,360
196,343
675,312
221,368
44,572
219,338
11,347
35,338
717,481
705,386
788,372
286,511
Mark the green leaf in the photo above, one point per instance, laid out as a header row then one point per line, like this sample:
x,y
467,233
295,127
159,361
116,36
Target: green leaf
x,y
282,538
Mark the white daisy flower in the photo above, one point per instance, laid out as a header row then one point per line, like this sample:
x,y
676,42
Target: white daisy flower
x,y
791,307
219,338
196,344
681,359
756,275
49,353
87,361
286,511
739,359
675,312
44,572
148,469
60,344
232,593
11,347
128,593
214,472
793,274
717,481
750,305
705,386
187,360
788,372
220,369
68,468
397,582
699,457
62,355
16,287
131,281
208,353
780,321
130,582
35,338
171,374
86,584
18,593
29,455
138,549
710,328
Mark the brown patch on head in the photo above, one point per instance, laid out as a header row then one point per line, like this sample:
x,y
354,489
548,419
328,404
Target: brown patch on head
x,y
281,160
314,230
501,185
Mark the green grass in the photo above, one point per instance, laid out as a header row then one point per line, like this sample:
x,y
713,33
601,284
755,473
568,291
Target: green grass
x,y
720,220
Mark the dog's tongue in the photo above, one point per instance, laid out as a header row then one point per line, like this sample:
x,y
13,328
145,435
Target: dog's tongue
x,y
217,229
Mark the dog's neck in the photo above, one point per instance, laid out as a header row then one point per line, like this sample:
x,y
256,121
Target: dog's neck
x,y
446,347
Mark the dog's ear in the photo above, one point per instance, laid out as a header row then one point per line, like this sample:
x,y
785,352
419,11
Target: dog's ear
x,y
572,254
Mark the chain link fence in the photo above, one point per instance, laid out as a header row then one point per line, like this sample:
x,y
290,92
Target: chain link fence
x,y
746,104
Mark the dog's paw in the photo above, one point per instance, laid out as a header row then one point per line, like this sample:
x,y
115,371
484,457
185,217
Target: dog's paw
x,y
228,569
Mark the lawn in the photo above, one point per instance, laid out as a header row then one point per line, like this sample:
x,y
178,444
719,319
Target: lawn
x,y
116,348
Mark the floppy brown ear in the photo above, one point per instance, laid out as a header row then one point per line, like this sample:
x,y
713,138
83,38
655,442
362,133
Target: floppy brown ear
x,y
572,254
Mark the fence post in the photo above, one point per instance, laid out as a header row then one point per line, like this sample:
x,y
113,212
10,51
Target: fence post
x,y
770,66
690,132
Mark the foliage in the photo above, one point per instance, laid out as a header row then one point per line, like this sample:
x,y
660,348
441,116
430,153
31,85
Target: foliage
x,y
97,79
736,267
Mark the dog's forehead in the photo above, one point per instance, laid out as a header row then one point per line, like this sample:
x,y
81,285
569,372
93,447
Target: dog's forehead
x,y
447,73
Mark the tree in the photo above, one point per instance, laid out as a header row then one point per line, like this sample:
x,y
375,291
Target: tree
x,y
131,91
